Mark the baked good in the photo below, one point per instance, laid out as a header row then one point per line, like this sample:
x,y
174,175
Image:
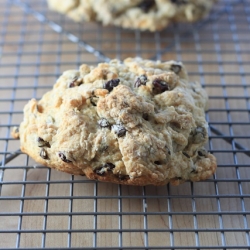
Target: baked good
x,y
136,14
136,122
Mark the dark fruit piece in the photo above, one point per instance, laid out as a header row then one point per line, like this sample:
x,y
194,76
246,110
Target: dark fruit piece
x,y
111,84
159,86
63,157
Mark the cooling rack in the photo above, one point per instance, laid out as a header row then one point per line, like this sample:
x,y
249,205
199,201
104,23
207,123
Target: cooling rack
x,y
44,209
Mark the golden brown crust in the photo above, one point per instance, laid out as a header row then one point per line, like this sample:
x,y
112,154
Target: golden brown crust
x,y
136,14
136,122
139,181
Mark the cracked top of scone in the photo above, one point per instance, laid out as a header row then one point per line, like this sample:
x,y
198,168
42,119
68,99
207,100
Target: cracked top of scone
x,y
135,122
136,14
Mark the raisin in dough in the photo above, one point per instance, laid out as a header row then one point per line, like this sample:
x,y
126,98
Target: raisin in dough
x,y
136,14
136,122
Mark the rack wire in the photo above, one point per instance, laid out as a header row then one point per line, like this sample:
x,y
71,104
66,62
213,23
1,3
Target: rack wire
x,y
44,209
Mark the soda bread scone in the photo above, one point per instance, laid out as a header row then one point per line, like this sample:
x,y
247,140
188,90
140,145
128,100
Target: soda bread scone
x,y
136,122
136,14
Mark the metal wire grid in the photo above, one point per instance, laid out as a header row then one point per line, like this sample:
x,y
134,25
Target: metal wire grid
x,y
42,208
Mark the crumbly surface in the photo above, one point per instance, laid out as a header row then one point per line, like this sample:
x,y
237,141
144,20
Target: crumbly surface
x,y
136,14
136,122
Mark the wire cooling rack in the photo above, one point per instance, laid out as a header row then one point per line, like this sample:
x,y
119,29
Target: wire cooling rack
x,y
43,208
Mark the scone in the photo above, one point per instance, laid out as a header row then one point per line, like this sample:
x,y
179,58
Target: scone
x,y
136,122
136,14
